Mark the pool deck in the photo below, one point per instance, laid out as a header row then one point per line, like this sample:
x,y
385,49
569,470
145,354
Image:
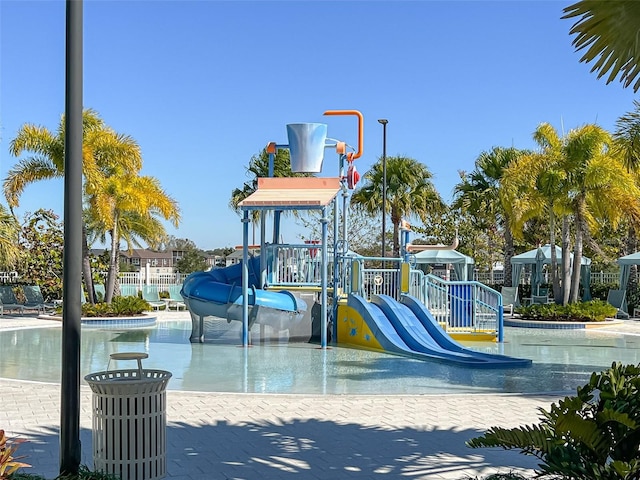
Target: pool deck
x,y
269,437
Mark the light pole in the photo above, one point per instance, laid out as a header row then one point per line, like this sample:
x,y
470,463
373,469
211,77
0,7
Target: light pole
x,y
384,122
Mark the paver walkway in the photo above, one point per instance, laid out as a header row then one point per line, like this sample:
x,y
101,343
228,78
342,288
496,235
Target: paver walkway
x,y
263,437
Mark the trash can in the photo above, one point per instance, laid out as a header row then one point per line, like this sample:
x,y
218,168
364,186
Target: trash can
x,y
461,305
129,420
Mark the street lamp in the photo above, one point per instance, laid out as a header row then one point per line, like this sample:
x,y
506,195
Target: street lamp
x,y
384,122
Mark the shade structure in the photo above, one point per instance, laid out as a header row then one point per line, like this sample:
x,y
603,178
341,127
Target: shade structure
x,y
625,267
529,258
462,264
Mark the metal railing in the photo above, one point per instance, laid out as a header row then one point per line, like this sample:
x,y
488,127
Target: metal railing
x,y
464,306
296,265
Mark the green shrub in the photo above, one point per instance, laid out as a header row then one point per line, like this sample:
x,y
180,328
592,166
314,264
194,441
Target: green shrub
x,y
591,311
594,435
119,307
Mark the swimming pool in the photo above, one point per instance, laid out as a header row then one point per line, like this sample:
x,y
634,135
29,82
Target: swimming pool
x,y
562,360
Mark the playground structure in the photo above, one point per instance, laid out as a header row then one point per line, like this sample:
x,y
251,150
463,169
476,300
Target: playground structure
x,y
396,308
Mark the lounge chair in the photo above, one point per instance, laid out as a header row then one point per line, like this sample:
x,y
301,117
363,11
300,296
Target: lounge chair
x,y
540,299
35,299
618,299
9,300
175,298
509,298
128,290
151,295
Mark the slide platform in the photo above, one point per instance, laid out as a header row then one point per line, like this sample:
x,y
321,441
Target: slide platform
x,y
218,293
409,329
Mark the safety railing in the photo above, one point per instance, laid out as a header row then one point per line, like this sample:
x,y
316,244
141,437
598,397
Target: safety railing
x,y
467,306
296,265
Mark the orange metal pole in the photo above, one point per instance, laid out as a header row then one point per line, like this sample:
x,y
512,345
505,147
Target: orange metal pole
x,y
358,154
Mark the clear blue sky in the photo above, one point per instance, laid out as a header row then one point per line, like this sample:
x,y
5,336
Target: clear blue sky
x,y
204,85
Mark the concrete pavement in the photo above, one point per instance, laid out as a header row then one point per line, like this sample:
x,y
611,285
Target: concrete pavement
x,y
264,437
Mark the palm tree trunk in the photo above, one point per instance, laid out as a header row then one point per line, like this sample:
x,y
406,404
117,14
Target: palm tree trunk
x,y
566,259
113,264
86,267
395,220
555,282
509,251
631,246
577,252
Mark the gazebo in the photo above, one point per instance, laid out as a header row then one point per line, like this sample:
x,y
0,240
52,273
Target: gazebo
x,y
542,256
462,264
625,267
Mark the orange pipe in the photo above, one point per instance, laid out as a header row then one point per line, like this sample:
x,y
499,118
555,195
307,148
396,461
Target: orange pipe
x,y
358,154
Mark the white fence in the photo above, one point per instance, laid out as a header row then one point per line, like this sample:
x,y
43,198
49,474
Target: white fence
x,y
161,280
497,277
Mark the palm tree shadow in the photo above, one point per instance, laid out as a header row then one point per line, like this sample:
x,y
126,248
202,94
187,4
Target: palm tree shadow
x,y
312,448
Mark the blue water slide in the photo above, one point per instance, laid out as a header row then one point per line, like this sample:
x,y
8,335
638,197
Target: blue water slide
x,y
398,330
218,293
441,337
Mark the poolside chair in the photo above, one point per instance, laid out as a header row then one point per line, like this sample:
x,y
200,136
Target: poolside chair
x,y
35,299
540,299
9,300
509,298
129,290
618,299
151,295
175,298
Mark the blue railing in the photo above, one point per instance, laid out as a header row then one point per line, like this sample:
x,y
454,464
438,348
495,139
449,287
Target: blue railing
x,y
461,307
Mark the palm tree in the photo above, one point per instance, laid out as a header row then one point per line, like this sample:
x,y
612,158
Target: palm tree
x,y
9,232
627,146
128,206
409,192
103,151
478,194
609,31
533,186
577,175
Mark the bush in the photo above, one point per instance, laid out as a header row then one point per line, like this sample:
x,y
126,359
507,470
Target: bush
x,y
119,307
594,435
591,311
9,463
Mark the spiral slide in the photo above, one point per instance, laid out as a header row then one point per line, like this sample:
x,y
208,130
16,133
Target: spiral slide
x,y
218,293
408,328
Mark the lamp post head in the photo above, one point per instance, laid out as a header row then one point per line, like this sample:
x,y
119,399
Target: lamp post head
x,y
383,121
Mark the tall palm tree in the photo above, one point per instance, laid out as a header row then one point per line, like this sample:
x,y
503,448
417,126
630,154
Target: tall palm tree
x,y
532,187
9,232
410,191
478,194
103,150
127,205
626,138
609,32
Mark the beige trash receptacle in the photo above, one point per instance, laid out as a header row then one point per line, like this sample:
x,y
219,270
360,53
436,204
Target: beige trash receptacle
x,y
129,420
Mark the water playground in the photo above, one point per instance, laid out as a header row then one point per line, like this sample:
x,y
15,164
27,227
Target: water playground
x,y
324,292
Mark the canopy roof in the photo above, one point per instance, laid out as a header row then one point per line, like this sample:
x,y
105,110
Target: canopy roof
x,y
530,256
443,256
295,193
632,259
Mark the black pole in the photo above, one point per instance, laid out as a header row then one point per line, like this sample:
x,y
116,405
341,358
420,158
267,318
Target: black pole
x,y
384,184
70,450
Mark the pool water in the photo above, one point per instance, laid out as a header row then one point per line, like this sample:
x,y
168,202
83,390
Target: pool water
x,y
562,361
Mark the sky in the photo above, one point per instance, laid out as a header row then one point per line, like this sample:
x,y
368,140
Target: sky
x,y
203,86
